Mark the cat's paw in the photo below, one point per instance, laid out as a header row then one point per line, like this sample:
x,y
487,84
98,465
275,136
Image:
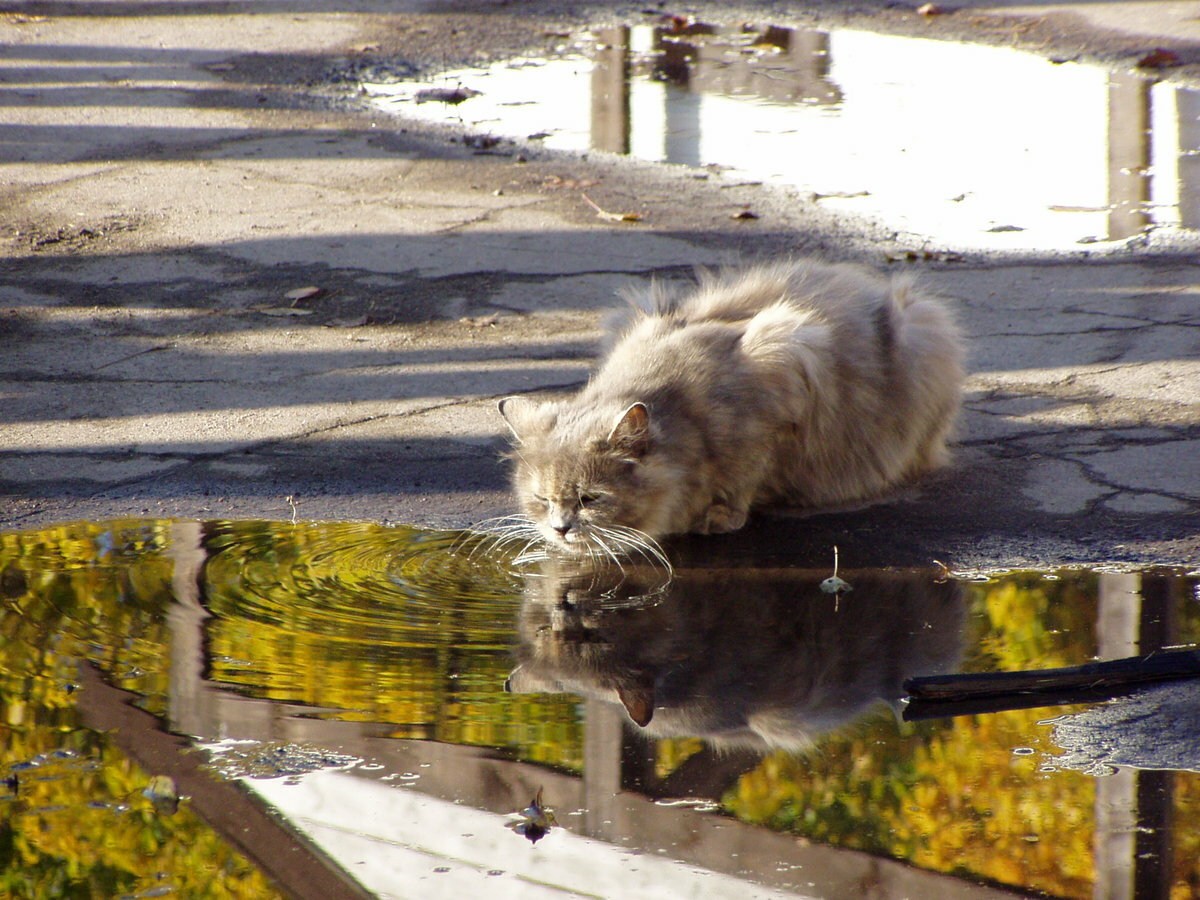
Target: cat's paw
x,y
719,519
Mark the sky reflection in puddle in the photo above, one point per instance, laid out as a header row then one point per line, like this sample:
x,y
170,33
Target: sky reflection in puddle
x,y
334,669
967,146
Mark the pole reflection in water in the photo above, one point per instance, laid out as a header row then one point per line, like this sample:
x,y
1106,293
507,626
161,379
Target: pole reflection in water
x,y
966,146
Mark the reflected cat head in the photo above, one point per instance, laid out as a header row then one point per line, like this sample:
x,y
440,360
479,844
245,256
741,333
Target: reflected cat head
x,y
743,658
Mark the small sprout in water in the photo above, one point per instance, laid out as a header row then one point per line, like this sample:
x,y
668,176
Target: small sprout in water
x,y
833,584
535,820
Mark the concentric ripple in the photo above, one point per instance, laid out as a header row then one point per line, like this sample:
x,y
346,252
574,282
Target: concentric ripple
x,y
341,579
367,623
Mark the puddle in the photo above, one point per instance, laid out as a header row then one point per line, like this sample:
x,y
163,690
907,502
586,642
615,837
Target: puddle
x,y
965,146
324,670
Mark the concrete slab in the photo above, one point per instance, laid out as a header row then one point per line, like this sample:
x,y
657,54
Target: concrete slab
x,y
167,179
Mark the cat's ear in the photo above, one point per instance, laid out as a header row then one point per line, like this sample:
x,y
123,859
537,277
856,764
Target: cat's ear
x,y
631,433
519,414
638,702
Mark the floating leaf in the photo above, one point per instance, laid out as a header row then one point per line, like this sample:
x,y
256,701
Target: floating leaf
x,y
535,820
161,792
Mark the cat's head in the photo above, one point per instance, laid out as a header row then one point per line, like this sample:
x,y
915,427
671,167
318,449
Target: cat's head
x,y
585,478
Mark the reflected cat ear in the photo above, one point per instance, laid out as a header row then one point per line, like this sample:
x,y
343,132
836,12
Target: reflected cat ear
x,y
513,683
638,702
631,434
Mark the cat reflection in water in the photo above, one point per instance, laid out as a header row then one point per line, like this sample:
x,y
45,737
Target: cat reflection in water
x,y
796,384
754,658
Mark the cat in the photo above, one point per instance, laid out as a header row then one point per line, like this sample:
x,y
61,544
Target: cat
x,y
796,383
750,658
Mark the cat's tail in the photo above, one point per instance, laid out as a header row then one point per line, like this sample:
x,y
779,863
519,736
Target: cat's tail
x,y
928,338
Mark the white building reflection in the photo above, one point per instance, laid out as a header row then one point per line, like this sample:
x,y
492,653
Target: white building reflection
x,y
963,145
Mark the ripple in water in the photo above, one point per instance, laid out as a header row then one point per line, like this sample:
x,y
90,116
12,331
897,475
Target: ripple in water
x,y
337,579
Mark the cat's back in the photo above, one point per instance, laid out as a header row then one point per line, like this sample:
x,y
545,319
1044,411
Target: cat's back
x,y
806,286
808,383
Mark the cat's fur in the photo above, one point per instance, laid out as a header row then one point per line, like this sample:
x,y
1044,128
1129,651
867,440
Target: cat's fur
x,y
798,384
744,658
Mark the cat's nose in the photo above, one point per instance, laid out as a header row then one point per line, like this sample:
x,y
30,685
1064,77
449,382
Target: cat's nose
x,y
562,529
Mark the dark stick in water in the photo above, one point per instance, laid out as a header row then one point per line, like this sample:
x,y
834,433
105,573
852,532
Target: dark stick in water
x,y
967,693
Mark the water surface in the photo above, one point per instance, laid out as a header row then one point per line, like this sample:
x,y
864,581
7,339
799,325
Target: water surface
x,y
684,728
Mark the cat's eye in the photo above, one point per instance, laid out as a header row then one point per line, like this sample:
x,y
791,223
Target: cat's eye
x,y
588,499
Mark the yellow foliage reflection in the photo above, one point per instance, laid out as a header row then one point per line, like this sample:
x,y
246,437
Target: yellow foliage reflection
x,y
74,816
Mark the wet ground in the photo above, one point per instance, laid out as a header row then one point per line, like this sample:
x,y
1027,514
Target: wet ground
x,y
400,697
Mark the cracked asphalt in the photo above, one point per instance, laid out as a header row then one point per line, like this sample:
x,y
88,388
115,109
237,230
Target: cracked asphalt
x,y
177,178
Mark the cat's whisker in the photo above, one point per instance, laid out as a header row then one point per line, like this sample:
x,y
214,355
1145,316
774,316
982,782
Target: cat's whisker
x,y
530,551
631,541
485,524
533,551
498,533
513,533
481,541
595,540
505,524
472,537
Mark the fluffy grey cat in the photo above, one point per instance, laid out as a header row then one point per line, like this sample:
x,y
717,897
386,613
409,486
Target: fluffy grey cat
x,y
794,384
